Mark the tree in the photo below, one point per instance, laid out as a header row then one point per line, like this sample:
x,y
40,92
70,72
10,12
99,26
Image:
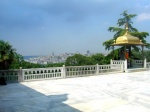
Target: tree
x,y
17,62
7,53
54,65
98,59
147,55
78,60
119,31
138,55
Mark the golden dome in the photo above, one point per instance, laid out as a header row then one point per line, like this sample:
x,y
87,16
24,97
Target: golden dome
x,y
128,39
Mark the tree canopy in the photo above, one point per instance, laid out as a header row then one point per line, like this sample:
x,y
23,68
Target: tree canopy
x,y
120,30
7,53
78,60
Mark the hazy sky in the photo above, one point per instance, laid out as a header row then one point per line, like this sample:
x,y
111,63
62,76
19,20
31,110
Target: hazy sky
x,y
41,27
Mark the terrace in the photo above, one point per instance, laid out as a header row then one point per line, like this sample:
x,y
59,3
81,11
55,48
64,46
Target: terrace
x,y
119,92
107,88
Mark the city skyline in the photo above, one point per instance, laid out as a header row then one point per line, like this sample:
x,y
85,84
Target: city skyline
x,y
53,58
41,27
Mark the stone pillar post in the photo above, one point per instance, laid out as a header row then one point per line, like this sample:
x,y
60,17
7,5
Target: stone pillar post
x,y
97,69
111,62
63,72
143,56
122,67
20,75
125,64
145,63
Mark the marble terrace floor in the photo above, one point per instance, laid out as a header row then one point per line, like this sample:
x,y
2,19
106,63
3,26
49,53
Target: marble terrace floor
x,y
120,92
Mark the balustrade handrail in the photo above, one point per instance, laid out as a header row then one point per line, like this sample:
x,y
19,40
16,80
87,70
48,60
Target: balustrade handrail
x,y
80,66
148,64
66,71
42,68
59,72
117,60
10,75
10,70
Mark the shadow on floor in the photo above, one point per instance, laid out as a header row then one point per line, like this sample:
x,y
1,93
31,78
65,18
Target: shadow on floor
x,y
16,97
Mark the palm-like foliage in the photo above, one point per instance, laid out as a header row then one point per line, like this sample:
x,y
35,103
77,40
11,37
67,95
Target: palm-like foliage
x,y
6,54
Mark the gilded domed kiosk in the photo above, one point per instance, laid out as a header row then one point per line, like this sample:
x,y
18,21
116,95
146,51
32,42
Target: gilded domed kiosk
x,y
127,41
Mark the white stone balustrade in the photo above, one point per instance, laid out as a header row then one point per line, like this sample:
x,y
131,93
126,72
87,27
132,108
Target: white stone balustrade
x,y
42,73
58,72
10,75
21,75
137,63
117,62
148,65
76,71
114,63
